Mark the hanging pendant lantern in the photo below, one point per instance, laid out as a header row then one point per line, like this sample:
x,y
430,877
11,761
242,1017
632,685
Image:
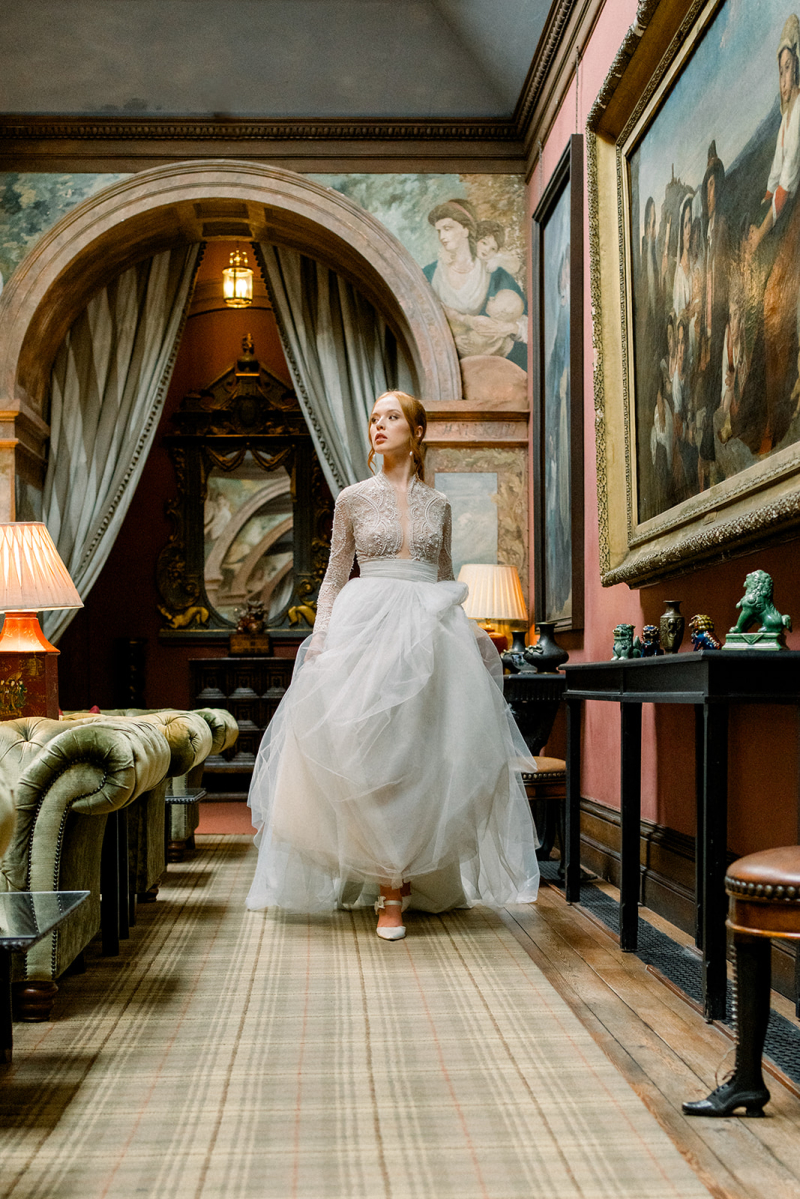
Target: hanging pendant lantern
x,y
237,281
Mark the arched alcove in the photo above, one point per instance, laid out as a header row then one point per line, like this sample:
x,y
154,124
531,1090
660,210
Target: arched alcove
x,y
189,202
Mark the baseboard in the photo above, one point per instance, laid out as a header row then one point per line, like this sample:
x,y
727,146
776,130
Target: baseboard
x,y
667,876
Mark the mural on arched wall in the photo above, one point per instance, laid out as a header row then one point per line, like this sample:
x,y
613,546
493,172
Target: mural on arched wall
x,y
490,336
466,231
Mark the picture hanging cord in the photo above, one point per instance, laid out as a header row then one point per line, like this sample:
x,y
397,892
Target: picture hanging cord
x,y
577,84
541,167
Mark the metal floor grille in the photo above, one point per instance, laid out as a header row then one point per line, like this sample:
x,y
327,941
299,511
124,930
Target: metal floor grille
x,y
683,968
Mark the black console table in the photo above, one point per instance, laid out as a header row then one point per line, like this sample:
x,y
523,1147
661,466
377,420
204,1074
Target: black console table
x,y
710,680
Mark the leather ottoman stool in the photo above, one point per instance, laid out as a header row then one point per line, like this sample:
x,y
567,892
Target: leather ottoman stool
x,y
764,890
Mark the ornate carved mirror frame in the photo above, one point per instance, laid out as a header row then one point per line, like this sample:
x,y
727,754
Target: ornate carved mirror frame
x,y
246,410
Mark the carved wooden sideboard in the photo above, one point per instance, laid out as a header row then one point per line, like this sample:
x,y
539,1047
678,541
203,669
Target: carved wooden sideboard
x,y
251,689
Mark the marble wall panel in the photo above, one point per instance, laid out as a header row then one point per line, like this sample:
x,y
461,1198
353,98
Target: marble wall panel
x,y
510,466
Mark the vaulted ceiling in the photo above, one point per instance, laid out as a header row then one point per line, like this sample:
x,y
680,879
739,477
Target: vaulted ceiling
x,y
413,59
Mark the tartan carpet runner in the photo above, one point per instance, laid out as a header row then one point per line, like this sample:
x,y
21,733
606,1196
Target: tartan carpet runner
x,y
230,1054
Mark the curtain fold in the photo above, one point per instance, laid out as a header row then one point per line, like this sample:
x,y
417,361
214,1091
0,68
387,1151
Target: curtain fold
x,y
107,389
341,355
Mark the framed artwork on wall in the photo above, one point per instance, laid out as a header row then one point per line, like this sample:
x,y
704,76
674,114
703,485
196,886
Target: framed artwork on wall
x,y
557,244
693,154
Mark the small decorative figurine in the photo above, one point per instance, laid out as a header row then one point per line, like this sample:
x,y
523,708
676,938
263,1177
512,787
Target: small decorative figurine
x,y
757,605
651,641
252,619
671,626
624,644
702,630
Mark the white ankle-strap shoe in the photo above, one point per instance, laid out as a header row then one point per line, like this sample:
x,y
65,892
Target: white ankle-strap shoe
x,y
390,934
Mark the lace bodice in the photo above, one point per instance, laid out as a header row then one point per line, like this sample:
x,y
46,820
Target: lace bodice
x,y
367,522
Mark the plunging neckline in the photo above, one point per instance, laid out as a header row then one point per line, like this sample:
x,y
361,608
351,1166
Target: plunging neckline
x,y
405,526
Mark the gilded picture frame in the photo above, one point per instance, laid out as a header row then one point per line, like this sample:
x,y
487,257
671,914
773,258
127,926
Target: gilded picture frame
x,y
557,250
695,275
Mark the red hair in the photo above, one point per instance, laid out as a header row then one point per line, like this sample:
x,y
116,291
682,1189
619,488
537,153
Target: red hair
x,y
417,418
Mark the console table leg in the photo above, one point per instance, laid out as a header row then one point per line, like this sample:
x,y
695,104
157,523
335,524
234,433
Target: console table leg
x,y
122,875
6,1025
715,828
630,819
109,887
572,820
699,835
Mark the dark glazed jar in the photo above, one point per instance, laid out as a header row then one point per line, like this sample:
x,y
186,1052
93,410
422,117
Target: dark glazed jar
x,y
546,655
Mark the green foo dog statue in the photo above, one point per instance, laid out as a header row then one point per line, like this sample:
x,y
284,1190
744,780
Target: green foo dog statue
x,y
757,606
624,644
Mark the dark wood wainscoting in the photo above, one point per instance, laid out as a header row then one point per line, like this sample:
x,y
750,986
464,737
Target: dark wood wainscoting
x,y
667,875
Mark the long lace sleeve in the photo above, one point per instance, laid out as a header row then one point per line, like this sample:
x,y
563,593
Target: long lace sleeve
x,y
445,555
340,563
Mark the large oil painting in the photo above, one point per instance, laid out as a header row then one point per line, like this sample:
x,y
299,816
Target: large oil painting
x,y
558,440
707,170
716,239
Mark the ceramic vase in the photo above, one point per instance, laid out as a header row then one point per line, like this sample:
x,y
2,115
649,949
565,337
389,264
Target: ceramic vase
x,y
546,655
671,627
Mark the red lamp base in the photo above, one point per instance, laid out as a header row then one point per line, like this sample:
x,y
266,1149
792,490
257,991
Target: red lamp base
x,y
28,669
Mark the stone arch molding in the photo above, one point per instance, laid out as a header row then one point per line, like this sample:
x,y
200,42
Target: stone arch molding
x,y
189,202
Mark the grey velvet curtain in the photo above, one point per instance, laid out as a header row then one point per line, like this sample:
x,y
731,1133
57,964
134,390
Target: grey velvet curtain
x,y
341,355
107,389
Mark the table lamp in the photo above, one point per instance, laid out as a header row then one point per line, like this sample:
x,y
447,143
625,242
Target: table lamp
x,y
32,579
495,594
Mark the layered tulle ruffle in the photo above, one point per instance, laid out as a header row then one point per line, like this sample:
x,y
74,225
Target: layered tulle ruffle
x,y
393,757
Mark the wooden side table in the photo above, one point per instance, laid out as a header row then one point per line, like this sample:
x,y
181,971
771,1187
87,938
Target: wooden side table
x,y
534,700
189,796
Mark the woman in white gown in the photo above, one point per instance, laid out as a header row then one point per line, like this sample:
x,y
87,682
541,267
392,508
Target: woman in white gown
x,y
391,769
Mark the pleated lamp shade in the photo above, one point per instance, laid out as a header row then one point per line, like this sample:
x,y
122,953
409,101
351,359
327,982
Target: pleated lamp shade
x,y
32,576
495,592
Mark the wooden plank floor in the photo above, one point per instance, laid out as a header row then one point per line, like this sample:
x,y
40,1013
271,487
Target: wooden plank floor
x,y
664,1048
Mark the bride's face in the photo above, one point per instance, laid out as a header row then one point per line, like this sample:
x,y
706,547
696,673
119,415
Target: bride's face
x,y
388,428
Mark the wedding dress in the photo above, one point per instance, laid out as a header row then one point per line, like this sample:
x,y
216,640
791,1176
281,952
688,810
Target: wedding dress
x,y
393,756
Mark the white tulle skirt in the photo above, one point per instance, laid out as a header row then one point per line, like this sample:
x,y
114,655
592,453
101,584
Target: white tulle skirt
x,y
393,757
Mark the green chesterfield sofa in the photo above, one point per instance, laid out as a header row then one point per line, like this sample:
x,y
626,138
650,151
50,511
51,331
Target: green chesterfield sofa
x,y
66,781
190,740
8,818
184,818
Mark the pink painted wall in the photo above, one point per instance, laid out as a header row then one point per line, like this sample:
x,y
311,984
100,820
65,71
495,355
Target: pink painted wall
x,y
763,761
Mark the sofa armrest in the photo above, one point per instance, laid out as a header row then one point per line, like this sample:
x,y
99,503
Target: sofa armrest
x,y
224,729
89,767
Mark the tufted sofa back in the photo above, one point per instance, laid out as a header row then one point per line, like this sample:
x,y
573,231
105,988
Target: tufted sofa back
x,y
53,770
187,733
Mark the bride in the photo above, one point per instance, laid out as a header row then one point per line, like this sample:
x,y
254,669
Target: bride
x,y
391,769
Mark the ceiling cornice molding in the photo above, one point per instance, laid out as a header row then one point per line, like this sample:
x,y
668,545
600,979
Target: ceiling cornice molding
x,y
563,39
133,143
192,128
548,47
